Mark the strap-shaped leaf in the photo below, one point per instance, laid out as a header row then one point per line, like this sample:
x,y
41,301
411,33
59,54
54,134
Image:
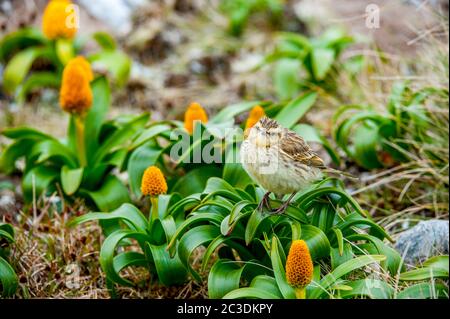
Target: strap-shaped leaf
x,y
71,179
424,290
8,278
19,66
120,137
171,271
278,268
38,180
96,116
141,158
296,109
108,252
127,213
224,277
317,241
393,262
231,111
194,238
343,270
369,288
23,38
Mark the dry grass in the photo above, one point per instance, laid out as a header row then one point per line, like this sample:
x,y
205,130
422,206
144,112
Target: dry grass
x,y
53,261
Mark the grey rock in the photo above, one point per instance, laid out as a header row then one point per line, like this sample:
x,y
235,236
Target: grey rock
x,y
116,14
425,240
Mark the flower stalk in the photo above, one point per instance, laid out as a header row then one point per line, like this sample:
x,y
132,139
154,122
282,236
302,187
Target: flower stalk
x,y
80,138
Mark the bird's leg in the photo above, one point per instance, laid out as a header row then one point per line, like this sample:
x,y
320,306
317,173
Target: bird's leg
x,y
280,210
264,202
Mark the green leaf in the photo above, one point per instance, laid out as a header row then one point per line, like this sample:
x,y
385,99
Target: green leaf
x,y
322,60
48,150
224,277
194,238
19,40
393,260
71,179
250,293
26,133
370,288
424,290
366,141
141,158
116,63
36,81
108,250
230,112
110,195
266,283
38,180
7,231
233,172
196,180
286,78
436,267
296,109
105,41
120,137
19,66
13,152
170,270
96,116
149,134
278,269
127,213
317,241
8,279
255,220
342,270
64,50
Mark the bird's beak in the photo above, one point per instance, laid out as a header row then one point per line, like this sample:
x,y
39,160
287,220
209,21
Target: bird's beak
x,y
246,133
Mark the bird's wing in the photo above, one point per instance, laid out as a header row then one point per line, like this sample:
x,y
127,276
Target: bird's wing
x,y
298,150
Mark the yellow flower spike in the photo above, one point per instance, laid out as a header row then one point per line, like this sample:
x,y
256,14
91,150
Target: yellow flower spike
x,y
76,94
194,113
255,115
299,267
60,20
153,182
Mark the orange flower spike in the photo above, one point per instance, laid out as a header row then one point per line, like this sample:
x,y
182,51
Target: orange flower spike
x,y
255,115
85,65
194,113
153,182
299,267
60,20
76,94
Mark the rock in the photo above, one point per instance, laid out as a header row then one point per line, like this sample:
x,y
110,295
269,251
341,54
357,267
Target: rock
x,y
116,14
425,240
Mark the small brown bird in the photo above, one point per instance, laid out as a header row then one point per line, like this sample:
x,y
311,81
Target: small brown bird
x,y
279,160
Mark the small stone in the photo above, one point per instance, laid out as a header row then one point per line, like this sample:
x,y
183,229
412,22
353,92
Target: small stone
x,y
425,240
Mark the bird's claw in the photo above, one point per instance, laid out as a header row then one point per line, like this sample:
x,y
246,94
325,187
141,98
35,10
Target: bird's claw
x,y
264,203
280,210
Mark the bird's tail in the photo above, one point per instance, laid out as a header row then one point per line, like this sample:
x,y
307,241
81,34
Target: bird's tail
x,y
339,173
